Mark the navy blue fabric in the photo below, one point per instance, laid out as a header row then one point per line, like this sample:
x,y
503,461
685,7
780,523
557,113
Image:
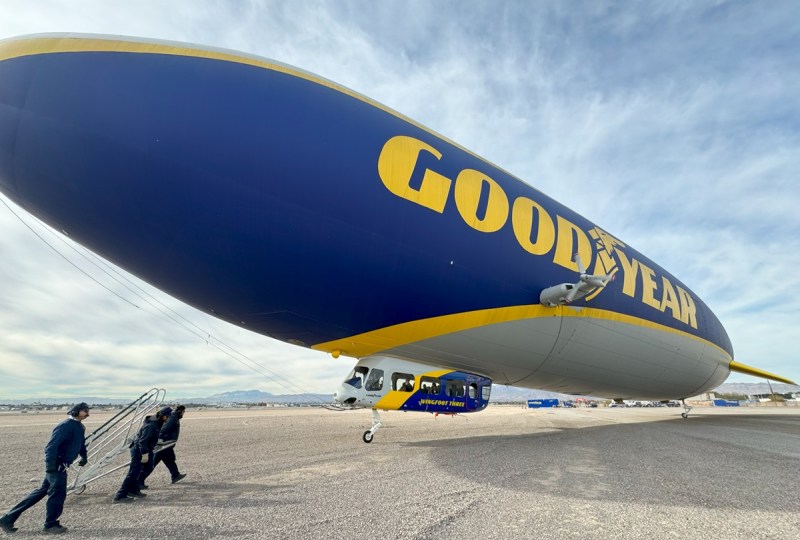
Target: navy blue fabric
x,y
235,163
147,437
131,482
144,443
166,411
171,429
66,443
168,457
55,487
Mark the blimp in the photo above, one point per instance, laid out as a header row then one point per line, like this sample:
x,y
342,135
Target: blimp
x,y
291,206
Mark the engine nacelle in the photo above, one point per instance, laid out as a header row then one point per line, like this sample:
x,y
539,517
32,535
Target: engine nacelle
x,y
557,295
569,292
385,383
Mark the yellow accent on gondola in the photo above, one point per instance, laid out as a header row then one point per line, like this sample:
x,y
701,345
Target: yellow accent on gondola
x,y
395,399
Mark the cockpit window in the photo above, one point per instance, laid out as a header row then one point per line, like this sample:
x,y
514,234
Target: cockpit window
x,y
485,391
375,380
357,376
404,382
473,390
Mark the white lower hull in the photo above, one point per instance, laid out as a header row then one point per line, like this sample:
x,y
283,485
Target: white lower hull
x,y
574,355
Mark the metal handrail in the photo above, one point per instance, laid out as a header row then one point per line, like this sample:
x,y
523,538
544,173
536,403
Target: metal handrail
x,y
113,438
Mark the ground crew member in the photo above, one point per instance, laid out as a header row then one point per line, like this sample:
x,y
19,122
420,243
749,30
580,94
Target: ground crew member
x,y
169,434
141,454
66,443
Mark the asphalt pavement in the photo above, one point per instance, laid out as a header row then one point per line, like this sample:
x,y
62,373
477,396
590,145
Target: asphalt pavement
x,y
507,472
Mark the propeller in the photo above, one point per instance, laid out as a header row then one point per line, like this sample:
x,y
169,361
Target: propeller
x,y
587,283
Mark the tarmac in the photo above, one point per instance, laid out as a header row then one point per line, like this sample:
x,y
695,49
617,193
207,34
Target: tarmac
x,y
507,472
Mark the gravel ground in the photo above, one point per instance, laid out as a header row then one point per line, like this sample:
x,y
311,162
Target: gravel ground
x,y
503,473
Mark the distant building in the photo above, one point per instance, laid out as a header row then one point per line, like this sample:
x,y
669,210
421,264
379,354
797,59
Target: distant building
x,y
768,397
705,396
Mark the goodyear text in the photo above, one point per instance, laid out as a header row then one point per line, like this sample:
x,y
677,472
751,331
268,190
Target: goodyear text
x,y
536,230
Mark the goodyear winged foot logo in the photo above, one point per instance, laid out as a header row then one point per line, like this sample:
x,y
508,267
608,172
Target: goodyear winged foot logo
x,y
664,296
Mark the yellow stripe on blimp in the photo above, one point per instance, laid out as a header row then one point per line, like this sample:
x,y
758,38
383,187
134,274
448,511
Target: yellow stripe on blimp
x,y
398,335
744,368
391,337
66,43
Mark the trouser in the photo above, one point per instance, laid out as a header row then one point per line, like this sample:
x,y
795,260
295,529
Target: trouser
x,y
168,457
55,487
131,482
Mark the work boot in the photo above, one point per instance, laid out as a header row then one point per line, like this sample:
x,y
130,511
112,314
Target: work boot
x,y
178,478
137,494
125,499
7,526
143,486
56,529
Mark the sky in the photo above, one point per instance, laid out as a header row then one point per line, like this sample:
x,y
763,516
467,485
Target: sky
x,y
675,126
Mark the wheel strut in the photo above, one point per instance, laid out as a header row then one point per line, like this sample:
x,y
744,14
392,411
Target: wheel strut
x,y
376,424
686,409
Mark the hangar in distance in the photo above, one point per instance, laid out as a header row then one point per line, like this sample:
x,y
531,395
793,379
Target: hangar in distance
x,y
299,209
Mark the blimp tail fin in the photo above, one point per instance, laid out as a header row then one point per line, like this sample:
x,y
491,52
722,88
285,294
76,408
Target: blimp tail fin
x,y
744,368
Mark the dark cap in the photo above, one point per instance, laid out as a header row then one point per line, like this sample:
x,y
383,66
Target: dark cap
x,y
166,411
78,407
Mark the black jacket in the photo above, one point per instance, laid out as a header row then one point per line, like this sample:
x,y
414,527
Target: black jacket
x,y
147,437
171,429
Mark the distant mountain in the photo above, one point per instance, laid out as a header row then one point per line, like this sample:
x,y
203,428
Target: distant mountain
x,y
65,401
750,389
500,394
238,396
257,396
242,395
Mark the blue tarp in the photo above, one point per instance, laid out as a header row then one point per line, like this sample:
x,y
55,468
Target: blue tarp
x,y
539,403
726,403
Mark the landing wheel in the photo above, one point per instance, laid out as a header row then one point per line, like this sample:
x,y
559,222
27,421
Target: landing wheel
x,y
686,409
376,424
